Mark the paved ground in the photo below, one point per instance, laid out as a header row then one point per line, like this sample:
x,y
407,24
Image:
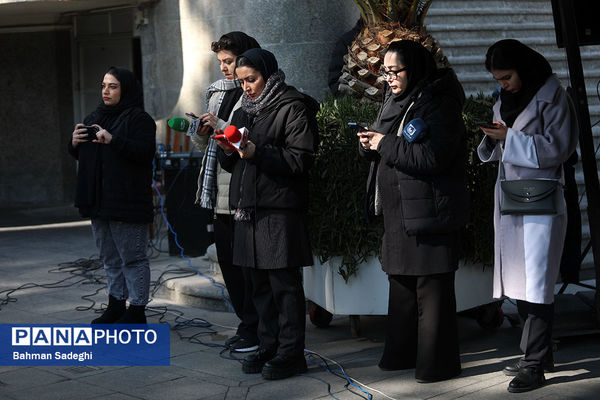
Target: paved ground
x,y
201,370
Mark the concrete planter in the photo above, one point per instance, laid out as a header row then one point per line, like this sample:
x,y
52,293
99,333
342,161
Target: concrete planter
x,y
366,293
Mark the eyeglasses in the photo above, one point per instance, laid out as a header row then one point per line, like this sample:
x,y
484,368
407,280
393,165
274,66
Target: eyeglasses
x,y
391,74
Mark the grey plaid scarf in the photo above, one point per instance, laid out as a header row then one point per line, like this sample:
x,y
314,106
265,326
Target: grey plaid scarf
x,y
208,174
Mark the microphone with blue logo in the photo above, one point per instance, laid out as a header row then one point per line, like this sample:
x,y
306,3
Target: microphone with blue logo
x,y
415,130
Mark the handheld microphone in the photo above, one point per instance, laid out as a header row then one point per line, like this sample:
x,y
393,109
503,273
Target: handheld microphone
x,y
233,134
233,137
183,125
415,130
178,124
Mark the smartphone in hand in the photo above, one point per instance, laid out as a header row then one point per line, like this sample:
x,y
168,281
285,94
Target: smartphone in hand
x,y
90,132
485,124
358,127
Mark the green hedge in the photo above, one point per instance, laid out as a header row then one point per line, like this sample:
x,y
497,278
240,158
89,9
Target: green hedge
x,y
338,178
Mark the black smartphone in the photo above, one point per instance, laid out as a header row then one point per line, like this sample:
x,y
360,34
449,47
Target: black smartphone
x,y
90,131
358,126
485,124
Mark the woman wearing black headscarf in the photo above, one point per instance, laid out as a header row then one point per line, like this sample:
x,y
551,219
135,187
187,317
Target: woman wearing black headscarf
x,y
114,179
269,193
417,181
534,133
223,97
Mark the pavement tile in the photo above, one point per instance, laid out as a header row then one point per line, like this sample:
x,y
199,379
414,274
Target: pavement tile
x,y
78,371
115,396
180,388
124,379
65,390
236,393
22,378
296,387
221,369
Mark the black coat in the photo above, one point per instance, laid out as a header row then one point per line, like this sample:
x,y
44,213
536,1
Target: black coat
x,y
273,185
114,181
285,134
423,184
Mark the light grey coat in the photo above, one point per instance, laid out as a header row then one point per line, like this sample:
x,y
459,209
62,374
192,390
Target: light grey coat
x,y
223,177
528,248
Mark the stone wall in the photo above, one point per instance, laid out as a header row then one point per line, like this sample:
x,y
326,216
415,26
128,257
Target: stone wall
x,y
36,118
178,64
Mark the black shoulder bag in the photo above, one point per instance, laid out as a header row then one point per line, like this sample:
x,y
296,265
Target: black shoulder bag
x,y
528,196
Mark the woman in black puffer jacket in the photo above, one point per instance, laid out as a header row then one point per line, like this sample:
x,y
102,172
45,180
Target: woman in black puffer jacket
x,y
269,193
418,151
114,189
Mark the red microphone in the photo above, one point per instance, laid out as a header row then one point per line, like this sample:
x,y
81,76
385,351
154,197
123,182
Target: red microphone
x,y
233,134
233,137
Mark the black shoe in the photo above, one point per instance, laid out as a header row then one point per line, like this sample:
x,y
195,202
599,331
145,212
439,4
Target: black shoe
x,y
232,340
253,364
133,315
243,346
528,378
282,367
513,369
114,311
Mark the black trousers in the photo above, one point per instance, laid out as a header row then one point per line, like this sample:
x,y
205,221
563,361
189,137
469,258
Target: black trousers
x,y
237,279
421,330
279,299
536,339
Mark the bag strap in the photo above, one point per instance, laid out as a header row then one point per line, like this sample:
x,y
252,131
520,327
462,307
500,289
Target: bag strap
x,y
560,180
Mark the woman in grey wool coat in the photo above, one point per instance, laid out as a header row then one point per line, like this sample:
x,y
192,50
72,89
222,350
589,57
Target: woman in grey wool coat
x,y
535,132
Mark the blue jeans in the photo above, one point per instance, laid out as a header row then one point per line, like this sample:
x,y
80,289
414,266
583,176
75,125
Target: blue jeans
x,y
122,249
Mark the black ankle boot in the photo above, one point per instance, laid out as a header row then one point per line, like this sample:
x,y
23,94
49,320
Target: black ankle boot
x,y
133,315
114,311
547,365
282,367
528,378
253,364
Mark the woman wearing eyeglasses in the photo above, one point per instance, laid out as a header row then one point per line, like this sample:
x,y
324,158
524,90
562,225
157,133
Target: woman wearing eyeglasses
x,y
417,182
534,134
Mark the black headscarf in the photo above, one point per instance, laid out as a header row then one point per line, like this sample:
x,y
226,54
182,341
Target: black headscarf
x,y
264,61
420,68
89,181
240,42
132,95
533,70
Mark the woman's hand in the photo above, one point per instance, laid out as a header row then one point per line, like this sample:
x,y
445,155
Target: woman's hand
x,y
209,119
498,132
222,145
79,135
103,135
248,151
369,140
